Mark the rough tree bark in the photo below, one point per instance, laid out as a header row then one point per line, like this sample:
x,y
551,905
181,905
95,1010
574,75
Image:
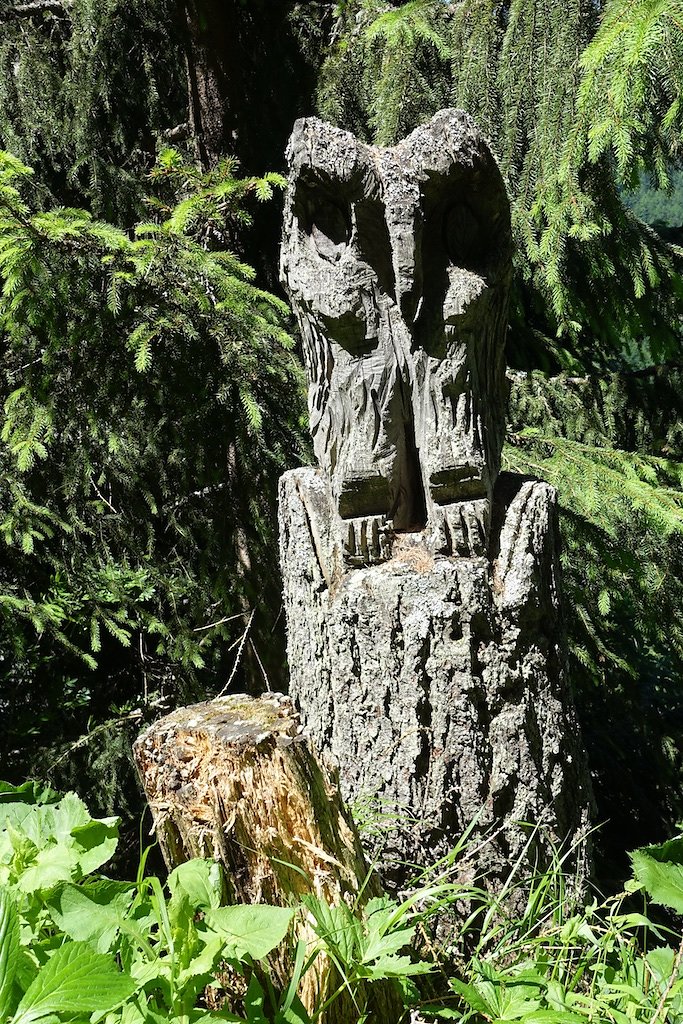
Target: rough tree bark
x,y
233,779
236,109
437,684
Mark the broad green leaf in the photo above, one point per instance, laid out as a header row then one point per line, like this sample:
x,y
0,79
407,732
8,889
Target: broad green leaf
x,y
393,967
201,880
377,945
144,972
130,1013
91,913
66,842
471,996
518,1001
75,981
661,962
9,951
253,1002
292,1015
659,869
27,793
52,865
251,930
68,814
96,842
550,1017
15,834
181,915
339,929
198,972
26,969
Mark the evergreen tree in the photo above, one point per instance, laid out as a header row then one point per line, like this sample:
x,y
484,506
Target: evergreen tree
x,y
86,89
150,404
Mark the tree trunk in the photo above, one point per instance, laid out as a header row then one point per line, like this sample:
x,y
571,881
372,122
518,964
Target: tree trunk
x,y
437,684
233,779
235,108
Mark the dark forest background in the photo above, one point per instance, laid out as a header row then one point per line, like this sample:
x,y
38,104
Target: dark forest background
x,y
151,389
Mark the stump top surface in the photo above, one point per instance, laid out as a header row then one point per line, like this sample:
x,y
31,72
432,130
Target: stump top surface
x,y
237,719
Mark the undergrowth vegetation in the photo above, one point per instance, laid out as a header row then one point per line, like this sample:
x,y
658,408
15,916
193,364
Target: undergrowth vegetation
x,y
76,945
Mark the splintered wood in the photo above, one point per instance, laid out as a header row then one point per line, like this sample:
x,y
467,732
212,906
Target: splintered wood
x,y
234,779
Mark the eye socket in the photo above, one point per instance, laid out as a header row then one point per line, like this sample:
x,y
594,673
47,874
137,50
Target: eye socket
x,y
331,220
329,226
464,240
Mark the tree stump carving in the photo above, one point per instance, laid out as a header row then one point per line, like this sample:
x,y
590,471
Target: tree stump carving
x,y
422,593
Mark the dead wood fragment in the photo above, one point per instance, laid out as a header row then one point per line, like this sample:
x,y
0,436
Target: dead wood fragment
x,y
235,780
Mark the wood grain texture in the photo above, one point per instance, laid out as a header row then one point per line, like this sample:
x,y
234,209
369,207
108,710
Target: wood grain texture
x,y
398,263
438,684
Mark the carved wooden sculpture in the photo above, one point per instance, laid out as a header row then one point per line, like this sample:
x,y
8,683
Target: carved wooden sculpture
x,y
397,262
422,594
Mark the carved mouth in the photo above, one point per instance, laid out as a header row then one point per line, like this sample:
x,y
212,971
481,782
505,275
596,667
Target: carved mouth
x,y
458,484
364,496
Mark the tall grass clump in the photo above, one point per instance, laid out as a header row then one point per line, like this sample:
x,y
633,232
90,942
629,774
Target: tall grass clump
x,y
532,953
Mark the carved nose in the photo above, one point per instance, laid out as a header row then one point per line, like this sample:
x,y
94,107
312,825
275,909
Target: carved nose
x,y
409,280
406,261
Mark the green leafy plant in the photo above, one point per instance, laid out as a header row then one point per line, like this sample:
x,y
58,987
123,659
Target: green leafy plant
x,y
365,945
658,870
74,981
553,960
75,943
64,930
143,953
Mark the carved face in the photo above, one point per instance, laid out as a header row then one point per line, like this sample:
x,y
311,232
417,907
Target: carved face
x,y
397,263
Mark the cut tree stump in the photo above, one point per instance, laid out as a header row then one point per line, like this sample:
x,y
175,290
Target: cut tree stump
x,y
437,684
234,780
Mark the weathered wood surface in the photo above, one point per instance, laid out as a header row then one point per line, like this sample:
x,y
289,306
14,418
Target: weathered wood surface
x,y
398,265
422,598
438,684
234,779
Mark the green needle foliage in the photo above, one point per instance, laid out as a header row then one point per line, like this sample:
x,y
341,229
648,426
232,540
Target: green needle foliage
x,y
86,88
145,379
631,92
523,71
613,448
